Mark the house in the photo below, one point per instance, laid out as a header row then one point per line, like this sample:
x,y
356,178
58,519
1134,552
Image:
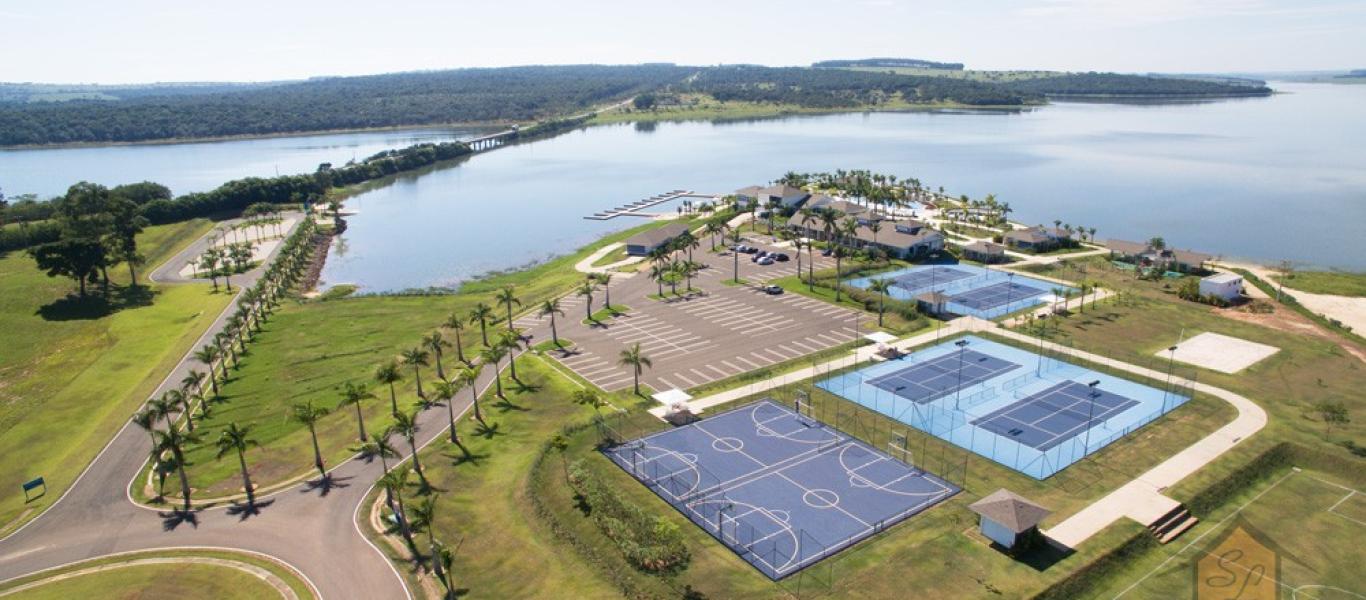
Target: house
x,y
932,302
1037,239
985,252
1228,286
904,238
789,198
645,242
1145,255
1008,517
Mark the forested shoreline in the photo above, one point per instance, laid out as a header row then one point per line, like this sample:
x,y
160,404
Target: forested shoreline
x,y
522,94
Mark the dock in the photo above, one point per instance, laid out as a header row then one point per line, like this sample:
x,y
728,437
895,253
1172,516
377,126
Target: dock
x,y
637,208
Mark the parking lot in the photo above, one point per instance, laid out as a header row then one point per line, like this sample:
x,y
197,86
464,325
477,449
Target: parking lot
x,y
724,332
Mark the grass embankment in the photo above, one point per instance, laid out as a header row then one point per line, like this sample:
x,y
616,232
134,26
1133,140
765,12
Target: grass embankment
x,y
115,578
308,350
605,313
891,322
507,552
617,255
71,372
1337,283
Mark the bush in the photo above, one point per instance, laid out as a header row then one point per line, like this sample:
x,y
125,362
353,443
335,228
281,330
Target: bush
x,y
650,543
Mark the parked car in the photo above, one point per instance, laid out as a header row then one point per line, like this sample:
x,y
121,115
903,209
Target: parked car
x,y
767,260
780,257
751,250
772,290
740,249
754,258
827,252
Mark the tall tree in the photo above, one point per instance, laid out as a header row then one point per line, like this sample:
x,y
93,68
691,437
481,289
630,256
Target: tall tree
x,y
508,297
173,440
235,439
586,289
632,357
387,374
308,415
405,424
416,358
354,395
435,342
881,286
469,377
551,308
510,341
456,325
480,314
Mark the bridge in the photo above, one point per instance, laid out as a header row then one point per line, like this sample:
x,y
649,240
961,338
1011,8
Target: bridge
x,y
491,141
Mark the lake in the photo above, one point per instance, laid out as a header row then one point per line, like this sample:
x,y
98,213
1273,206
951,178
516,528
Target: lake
x,y
1282,177
199,166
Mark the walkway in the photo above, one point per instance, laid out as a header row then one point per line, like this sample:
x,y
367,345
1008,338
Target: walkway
x,y
586,265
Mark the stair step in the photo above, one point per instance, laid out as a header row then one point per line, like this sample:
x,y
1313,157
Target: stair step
x,y
1172,534
1172,516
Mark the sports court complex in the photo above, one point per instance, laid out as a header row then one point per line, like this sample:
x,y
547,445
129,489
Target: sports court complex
x,y
971,290
1031,413
781,490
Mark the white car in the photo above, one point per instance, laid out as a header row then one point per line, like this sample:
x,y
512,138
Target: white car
x,y
767,260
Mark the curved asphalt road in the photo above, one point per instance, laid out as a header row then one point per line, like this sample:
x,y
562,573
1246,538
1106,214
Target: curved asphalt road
x,y
311,527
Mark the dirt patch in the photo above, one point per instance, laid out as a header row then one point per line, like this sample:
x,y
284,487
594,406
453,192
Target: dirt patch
x,y
321,243
1282,319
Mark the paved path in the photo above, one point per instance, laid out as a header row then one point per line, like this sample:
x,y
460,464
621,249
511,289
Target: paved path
x,y
270,578
308,526
586,265
1348,310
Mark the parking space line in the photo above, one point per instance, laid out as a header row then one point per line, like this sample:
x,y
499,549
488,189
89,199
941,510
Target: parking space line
x,y
732,365
718,371
766,360
805,347
684,379
705,377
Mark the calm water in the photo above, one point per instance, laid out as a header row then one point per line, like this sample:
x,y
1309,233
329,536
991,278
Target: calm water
x,y
198,166
1267,178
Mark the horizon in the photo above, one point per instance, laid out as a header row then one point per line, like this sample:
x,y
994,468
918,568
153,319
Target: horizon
x,y
146,41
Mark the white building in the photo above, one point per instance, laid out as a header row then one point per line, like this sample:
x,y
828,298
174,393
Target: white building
x,y
1007,515
1228,286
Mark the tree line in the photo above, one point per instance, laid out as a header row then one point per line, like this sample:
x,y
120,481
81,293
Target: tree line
x,y
839,88
887,62
435,97
1100,84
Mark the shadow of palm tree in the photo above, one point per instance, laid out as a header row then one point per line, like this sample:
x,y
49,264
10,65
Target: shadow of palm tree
x,y
487,431
325,484
505,405
244,511
173,519
463,458
525,387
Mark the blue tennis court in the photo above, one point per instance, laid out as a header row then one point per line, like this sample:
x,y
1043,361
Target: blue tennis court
x,y
929,277
781,490
943,375
1052,416
995,295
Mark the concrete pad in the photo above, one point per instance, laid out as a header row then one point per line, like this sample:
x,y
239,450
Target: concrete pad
x,y
1220,352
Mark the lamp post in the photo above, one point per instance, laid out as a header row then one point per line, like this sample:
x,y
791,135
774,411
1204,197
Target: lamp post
x,y
962,344
1090,414
1171,364
1010,287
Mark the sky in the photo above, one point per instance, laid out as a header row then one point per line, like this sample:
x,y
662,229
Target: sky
x,y
132,41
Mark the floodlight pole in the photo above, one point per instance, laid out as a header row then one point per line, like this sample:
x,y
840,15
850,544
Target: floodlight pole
x,y
1010,285
1171,364
962,344
1090,414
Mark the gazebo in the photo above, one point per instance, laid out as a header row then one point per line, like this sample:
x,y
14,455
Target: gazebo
x,y
1008,518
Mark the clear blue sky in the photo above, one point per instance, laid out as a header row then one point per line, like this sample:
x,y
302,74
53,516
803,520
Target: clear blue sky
x,y
244,40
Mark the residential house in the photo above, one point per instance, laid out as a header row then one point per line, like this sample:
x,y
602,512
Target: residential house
x,y
1143,254
1037,239
1228,286
985,252
789,198
645,242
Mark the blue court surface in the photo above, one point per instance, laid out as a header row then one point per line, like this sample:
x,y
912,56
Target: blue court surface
x,y
780,490
1034,414
923,382
971,290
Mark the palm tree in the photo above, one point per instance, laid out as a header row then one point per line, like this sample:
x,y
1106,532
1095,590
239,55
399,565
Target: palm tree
x,y
173,440
736,237
378,445
631,357
606,280
882,286
387,373
434,341
507,298
712,228
586,290
353,395
551,308
444,558
405,424
417,358
468,377
163,407
180,402
147,420
491,356
875,226
193,384
457,325
480,314
394,482
308,415
838,251
207,354
511,342
797,244
424,516
445,392
235,438
657,273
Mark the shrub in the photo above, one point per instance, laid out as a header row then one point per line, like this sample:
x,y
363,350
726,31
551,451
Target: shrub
x,y
650,543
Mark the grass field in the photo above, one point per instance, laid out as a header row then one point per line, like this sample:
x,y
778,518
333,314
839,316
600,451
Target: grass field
x,y
701,107
1338,283
84,368
161,581
308,350
1310,519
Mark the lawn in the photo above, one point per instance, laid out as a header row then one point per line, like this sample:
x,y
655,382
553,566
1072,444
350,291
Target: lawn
x,y
1337,283
704,107
158,581
891,322
84,367
309,349
1306,516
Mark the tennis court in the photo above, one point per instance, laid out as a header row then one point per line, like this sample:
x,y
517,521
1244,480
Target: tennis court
x,y
781,490
1034,413
943,375
1052,416
930,277
996,295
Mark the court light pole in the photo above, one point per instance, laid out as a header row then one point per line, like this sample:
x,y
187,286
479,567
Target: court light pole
x,y
962,344
1171,364
1010,287
1090,414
